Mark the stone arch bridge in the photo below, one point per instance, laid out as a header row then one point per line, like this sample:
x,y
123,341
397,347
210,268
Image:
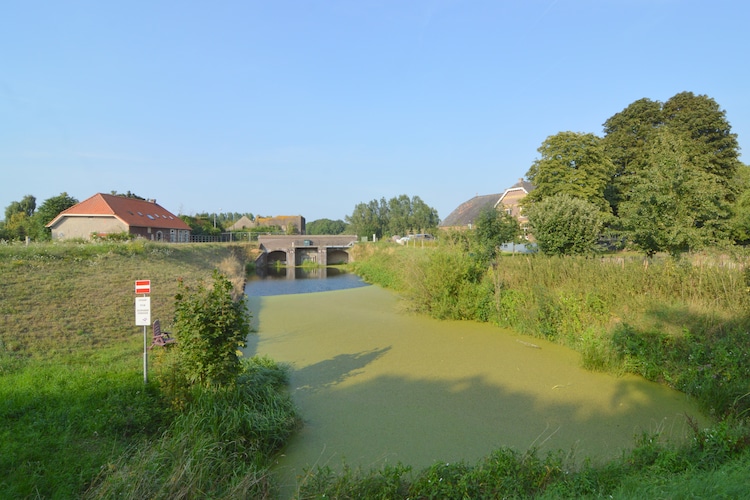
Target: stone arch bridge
x,y
294,250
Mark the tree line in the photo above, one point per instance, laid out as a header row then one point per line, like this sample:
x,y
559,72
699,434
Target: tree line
x,y
664,177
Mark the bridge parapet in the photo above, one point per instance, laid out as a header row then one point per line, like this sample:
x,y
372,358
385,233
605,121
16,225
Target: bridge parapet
x,y
321,249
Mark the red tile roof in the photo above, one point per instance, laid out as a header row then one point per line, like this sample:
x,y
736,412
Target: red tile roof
x,y
132,211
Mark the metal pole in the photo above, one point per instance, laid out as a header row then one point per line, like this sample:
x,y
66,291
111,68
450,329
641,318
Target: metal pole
x,y
145,357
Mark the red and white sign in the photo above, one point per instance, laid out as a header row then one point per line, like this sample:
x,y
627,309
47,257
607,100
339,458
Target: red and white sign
x,y
142,286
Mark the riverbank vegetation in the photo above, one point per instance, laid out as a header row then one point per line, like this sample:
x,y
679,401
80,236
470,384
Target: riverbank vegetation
x,y
681,322
80,423
78,420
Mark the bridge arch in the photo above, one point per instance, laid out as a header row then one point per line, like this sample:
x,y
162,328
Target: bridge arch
x,y
337,256
276,257
294,250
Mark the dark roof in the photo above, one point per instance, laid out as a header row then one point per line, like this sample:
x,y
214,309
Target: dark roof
x,y
131,211
468,211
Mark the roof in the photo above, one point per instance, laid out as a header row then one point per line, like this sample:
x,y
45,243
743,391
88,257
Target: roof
x,y
521,185
242,223
468,211
131,211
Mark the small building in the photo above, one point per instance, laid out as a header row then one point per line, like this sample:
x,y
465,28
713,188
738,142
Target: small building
x,y
104,214
290,224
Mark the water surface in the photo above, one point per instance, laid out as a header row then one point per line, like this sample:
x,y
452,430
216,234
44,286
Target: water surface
x,y
377,386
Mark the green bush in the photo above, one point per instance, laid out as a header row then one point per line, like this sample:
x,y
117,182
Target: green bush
x,y
210,327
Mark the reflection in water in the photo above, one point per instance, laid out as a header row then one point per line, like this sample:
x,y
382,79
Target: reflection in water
x,y
376,386
292,280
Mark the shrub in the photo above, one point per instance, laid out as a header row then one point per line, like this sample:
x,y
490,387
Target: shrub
x,y
211,327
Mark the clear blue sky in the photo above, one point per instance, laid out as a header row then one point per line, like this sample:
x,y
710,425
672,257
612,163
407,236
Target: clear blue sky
x,y
310,107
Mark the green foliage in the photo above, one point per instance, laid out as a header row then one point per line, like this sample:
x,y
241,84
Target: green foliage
x,y
219,446
397,216
211,327
493,229
450,285
673,206
699,140
564,225
50,209
26,206
325,226
574,164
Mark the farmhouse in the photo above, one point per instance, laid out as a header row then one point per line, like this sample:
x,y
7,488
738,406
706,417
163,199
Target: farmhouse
x,y
104,214
465,216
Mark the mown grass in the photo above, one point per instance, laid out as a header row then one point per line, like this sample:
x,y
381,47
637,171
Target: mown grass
x,y
78,421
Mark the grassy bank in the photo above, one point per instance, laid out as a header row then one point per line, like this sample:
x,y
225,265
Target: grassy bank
x,y
78,419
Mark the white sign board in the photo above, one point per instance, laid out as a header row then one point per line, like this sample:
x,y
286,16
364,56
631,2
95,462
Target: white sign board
x,y
142,311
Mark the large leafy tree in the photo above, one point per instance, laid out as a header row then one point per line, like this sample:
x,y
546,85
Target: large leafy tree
x,y
626,136
565,225
574,164
673,205
706,141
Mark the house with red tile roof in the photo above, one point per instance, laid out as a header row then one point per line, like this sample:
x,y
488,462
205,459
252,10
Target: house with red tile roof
x,y
104,214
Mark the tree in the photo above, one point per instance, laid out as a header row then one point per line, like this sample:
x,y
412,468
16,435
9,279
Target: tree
x,y
574,164
708,141
50,209
565,225
740,221
626,136
399,215
705,134
210,327
673,205
26,206
368,219
424,217
326,226
493,229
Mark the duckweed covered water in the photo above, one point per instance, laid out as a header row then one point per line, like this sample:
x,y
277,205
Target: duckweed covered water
x,y
376,386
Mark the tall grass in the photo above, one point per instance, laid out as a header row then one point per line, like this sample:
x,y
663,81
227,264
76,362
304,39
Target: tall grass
x,y
219,446
714,465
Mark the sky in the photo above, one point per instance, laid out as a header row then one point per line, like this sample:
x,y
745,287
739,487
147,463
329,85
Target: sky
x,y
311,107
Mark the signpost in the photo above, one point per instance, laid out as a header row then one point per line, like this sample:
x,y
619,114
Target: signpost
x,y
143,318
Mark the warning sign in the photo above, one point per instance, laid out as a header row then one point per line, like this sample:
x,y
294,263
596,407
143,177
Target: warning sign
x,y
142,286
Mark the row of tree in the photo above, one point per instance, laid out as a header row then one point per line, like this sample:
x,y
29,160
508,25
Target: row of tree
x,y
23,219
400,215
664,177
